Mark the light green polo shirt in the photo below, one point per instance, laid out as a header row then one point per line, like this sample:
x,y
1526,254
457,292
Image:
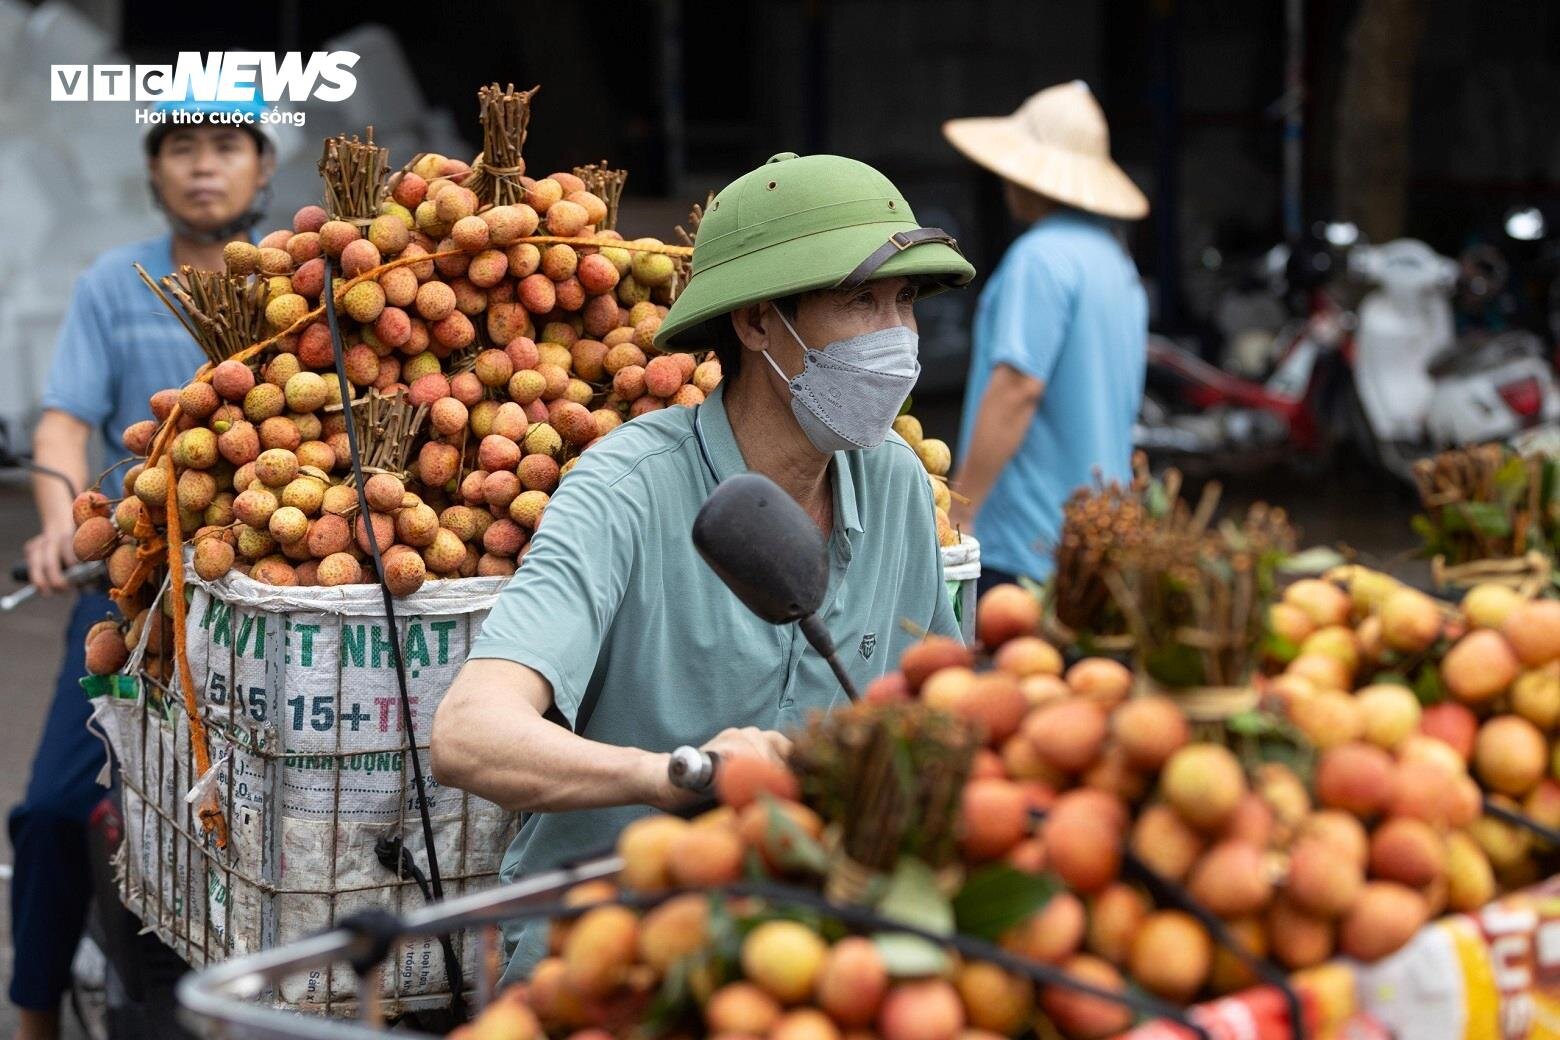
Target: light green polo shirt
x,y
614,604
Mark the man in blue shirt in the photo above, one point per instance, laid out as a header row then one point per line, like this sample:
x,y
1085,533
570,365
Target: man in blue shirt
x,y
117,346
1056,376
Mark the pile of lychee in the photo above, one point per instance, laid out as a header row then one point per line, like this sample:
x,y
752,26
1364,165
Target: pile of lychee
x,y
1354,862
782,980
937,458
747,973
1480,720
1091,782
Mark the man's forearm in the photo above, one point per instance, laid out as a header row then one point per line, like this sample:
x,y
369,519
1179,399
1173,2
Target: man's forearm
x,y
532,765
59,444
1001,423
489,739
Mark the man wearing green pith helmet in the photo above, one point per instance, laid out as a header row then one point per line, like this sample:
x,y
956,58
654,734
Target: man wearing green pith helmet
x,y
614,643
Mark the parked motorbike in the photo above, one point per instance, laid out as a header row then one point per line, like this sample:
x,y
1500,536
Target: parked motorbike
x,y
1421,387
1205,419
1395,381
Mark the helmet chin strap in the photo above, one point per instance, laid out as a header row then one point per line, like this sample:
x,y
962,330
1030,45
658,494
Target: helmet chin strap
x,y
211,236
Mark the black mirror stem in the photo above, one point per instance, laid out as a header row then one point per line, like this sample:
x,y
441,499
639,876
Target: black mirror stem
x,y
818,636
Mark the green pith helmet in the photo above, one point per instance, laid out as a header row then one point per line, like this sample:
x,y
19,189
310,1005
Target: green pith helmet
x,y
799,223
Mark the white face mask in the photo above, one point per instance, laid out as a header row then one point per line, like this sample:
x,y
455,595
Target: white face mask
x,y
849,393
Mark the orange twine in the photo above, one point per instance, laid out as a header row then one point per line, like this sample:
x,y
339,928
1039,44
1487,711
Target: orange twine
x,y
149,551
614,243
210,814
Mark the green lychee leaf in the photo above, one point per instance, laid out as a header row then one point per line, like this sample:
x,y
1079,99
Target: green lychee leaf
x,y
1511,481
997,898
1428,687
1254,724
1279,648
913,898
1487,518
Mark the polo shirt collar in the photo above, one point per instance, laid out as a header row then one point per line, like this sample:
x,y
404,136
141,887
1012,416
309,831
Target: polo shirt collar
x,y
726,457
846,464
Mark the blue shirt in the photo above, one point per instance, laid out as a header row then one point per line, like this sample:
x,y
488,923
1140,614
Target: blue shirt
x,y
1066,307
614,605
119,345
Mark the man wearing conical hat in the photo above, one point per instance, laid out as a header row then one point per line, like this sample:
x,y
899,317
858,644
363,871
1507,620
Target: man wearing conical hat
x,y
1056,374
804,280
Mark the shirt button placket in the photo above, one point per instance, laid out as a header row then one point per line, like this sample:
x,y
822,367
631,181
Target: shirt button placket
x,y
785,710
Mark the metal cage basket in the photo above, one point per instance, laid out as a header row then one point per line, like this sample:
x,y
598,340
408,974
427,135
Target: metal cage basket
x,y
310,772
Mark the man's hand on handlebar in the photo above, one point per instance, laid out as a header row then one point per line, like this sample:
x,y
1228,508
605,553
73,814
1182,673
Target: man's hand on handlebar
x,y
750,742
746,742
49,553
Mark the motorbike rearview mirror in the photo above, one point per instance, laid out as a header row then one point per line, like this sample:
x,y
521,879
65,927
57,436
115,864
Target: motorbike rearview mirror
x,y
768,551
764,547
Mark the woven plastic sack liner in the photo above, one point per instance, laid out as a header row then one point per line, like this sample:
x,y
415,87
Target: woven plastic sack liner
x,y
961,571
962,562
310,766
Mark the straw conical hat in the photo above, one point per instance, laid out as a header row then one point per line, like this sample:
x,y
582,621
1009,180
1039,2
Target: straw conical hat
x,y
1056,144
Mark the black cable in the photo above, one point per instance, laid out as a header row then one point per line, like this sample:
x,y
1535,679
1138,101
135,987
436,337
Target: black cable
x,y
395,857
1519,819
47,471
1166,892
24,460
452,968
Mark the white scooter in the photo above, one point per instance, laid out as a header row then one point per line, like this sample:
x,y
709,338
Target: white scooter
x,y
1420,388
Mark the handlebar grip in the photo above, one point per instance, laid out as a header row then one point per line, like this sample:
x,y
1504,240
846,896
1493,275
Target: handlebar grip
x,y
692,769
76,572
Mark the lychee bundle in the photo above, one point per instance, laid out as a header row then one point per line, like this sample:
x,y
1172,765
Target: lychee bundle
x,y
1485,503
486,344
1138,568
477,374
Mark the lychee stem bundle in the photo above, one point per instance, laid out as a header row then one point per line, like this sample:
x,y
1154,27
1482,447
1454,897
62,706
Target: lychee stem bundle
x,y
1196,598
606,184
1482,502
223,313
354,173
889,777
505,115
686,235
387,427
